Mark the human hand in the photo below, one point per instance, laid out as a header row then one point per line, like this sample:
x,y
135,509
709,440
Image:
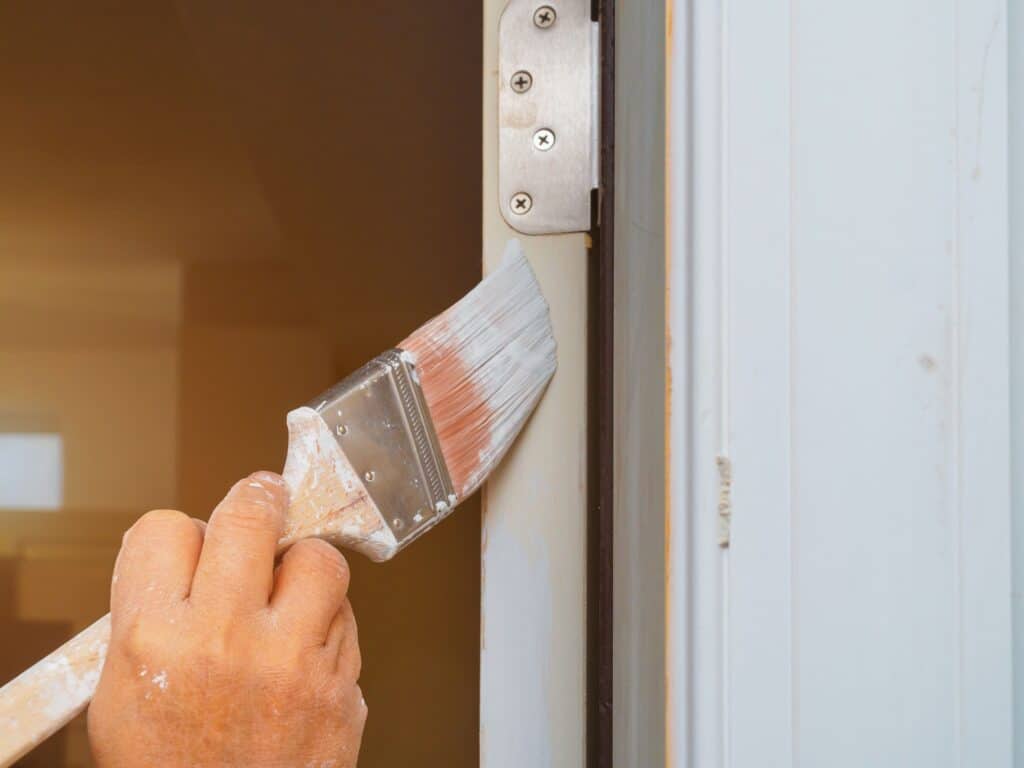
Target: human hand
x,y
218,659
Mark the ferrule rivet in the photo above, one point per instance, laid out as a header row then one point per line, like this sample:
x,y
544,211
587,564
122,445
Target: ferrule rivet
x,y
397,524
342,429
369,476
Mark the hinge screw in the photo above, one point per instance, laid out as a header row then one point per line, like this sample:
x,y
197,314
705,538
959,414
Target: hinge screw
x,y
544,16
521,203
544,139
522,81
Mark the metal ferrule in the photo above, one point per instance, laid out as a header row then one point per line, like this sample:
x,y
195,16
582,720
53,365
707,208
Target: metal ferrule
x,y
380,419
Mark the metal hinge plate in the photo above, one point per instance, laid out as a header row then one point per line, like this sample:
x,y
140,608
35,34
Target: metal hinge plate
x,y
548,143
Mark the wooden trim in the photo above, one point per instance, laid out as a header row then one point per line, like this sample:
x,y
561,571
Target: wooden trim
x,y
693,569
533,618
638,417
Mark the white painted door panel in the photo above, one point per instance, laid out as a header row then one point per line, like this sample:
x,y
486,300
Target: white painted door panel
x,y
850,327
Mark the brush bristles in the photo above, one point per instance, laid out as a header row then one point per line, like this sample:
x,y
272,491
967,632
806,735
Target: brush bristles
x,y
483,366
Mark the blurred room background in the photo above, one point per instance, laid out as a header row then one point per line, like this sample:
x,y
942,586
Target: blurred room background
x,y
210,212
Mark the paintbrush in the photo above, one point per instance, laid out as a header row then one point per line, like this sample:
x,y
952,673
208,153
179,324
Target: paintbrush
x,y
372,464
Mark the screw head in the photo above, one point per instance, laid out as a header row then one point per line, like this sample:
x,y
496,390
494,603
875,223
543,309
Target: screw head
x,y
520,203
522,81
544,139
544,17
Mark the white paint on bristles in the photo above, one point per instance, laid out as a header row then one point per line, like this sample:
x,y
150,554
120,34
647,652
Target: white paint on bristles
x,y
484,364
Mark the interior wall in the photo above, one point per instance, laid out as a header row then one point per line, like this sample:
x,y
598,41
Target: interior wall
x,y
204,224
88,349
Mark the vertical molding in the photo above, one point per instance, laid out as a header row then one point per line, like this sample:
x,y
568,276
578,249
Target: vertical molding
x,y
639,391
533,621
695,696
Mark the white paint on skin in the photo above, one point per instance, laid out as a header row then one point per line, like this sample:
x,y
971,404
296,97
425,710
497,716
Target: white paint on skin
x,y
160,680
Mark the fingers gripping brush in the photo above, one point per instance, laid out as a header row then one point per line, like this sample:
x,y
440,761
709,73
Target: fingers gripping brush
x,y
372,464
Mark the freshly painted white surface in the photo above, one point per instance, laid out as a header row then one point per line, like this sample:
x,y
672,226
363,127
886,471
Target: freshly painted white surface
x,y
533,633
1016,146
840,331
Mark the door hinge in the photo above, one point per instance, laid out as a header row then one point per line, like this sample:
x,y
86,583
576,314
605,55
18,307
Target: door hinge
x,y
548,115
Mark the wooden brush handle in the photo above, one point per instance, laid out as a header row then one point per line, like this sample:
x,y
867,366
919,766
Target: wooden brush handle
x,y
327,500
39,701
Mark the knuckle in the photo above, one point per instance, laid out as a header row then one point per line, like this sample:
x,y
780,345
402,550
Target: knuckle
x,y
321,558
278,679
350,626
361,707
352,662
140,642
249,515
162,517
158,522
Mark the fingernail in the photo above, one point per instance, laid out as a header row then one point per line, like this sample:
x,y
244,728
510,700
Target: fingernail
x,y
271,478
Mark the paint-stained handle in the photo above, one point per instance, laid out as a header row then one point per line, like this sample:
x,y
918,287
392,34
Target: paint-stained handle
x,y
44,698
327,500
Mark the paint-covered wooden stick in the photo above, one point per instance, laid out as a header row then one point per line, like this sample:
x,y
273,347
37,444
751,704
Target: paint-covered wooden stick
x,y
374,463
39,701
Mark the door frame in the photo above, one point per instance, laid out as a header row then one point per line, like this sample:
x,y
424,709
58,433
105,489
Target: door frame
x,y
573,595
533,634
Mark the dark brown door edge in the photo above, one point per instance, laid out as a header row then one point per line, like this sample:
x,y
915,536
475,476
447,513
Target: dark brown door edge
x,y
600,411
